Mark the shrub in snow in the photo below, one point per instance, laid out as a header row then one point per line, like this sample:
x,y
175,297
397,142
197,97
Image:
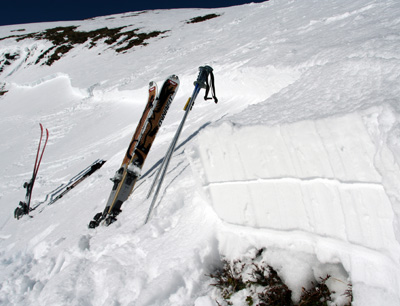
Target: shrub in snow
x,y
318,294
2,89
202,18
229,279
65,39
249,282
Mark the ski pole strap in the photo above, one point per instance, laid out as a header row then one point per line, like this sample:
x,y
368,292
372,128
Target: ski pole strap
x,y
212,88
202,80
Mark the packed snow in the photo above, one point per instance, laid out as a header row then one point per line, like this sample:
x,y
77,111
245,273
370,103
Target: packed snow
x,y
299,157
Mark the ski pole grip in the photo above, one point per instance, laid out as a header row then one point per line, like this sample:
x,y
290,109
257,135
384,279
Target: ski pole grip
x,y
204,71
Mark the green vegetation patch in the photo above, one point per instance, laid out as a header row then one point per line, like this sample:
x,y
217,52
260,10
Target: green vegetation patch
x,y
259,284
64,39
202,18
2,89
7,60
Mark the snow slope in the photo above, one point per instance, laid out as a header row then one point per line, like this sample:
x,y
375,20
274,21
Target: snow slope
x,y
300,156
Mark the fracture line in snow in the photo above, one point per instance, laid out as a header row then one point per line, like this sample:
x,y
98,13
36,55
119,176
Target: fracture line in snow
x,y
305,180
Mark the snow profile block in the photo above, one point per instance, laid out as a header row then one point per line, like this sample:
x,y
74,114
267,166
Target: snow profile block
x,y
318,177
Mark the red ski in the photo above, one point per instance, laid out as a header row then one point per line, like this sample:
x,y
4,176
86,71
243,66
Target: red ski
x,y
24,207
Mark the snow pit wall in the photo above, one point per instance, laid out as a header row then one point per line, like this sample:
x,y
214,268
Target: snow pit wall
x,y
322,178
315,176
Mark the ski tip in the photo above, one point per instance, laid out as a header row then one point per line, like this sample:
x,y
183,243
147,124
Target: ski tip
x,y
174,80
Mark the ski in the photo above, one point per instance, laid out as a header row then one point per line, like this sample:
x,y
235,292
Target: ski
x,y
24,207
201,82
63,189
139,147
78,179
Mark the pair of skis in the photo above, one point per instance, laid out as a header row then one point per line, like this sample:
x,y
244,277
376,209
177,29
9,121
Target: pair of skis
x,y
24,207
152,118
201,82
139,147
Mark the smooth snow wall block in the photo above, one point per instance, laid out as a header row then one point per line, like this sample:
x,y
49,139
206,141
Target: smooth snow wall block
x,y
315,176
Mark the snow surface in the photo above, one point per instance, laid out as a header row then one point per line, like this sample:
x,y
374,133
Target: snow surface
x,y
300,156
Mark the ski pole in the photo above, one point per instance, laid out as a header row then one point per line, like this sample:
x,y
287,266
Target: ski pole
x,y
159,171
201,82
166,157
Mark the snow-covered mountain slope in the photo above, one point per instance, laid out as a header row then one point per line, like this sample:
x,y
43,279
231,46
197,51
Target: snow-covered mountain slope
x,y
300,156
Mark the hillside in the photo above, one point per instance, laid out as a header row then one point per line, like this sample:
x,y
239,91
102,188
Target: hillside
x,y
300,158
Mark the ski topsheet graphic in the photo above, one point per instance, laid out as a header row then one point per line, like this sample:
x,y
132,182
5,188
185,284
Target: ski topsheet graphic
x,y
24,207
139,147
